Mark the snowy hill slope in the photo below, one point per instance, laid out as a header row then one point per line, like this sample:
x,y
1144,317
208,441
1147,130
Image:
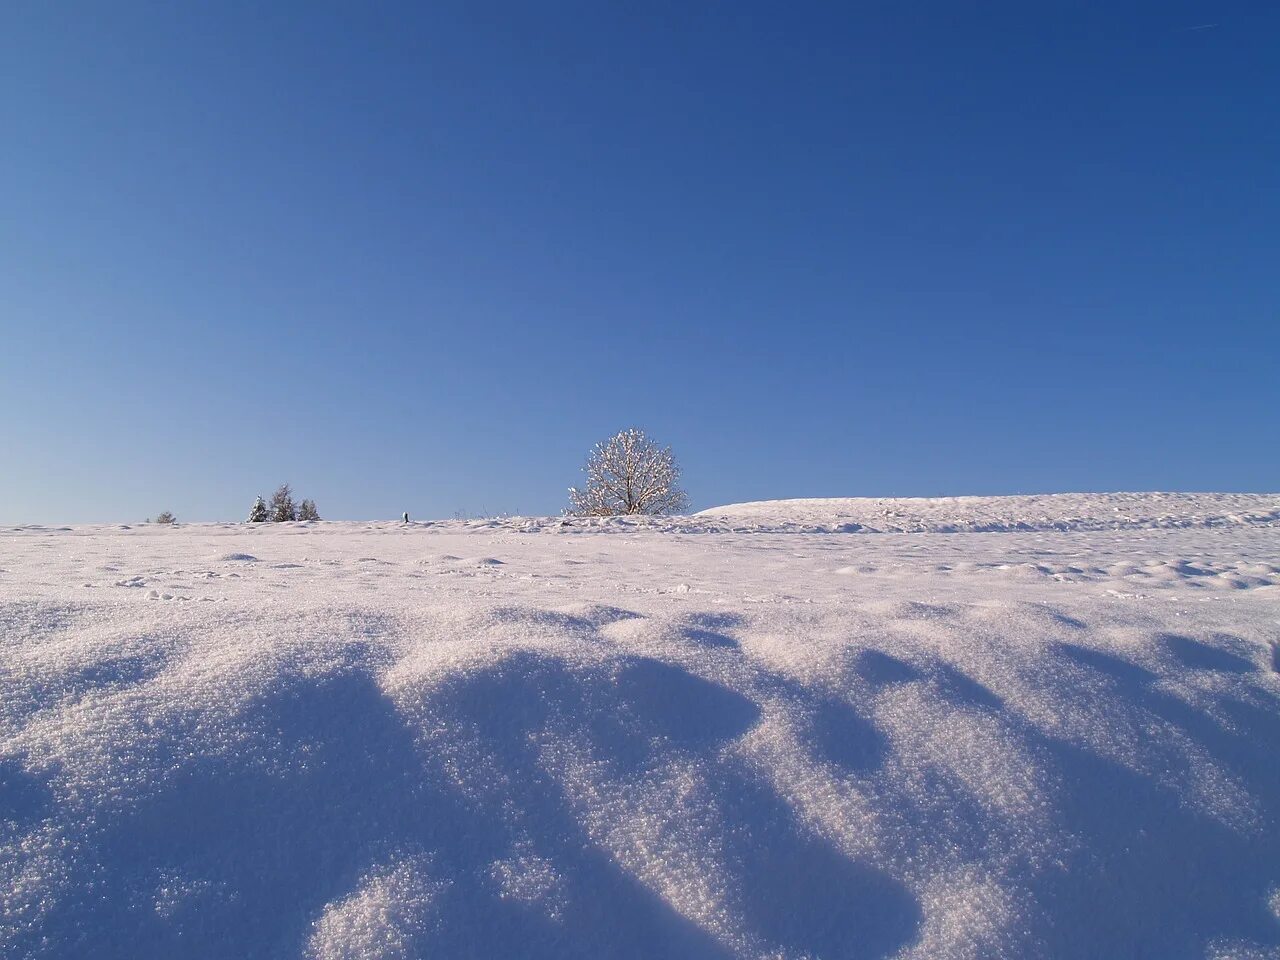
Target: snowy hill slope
x,y
1058,511
376,740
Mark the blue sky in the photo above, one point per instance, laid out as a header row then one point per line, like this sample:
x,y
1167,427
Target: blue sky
x,y
421,257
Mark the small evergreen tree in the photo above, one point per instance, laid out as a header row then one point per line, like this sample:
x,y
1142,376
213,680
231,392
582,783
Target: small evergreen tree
x,y
307,510
258,513
282,508
166,517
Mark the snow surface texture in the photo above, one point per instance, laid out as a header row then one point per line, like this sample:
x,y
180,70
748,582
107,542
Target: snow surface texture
x,y
333,740
1054,511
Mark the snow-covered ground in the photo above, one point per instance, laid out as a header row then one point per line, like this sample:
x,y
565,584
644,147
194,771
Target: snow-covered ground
x,y
1055,511
521,738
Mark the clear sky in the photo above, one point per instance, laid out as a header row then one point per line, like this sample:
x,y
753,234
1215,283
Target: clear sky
x,y
422,256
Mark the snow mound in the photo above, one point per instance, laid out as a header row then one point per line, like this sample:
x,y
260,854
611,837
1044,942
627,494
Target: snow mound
x,y
1060,511
1035,745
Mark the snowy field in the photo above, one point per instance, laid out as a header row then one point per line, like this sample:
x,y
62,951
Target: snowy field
x,y
753,732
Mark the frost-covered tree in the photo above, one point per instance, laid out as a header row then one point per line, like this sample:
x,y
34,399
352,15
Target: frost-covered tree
x,y
281,507
166,517
629,474
307,510
258,512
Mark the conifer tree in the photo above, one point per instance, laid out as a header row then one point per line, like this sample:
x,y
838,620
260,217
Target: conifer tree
x,y
258,512
281,508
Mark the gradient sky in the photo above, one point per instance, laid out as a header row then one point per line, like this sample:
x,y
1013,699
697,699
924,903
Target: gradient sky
x,y
422,256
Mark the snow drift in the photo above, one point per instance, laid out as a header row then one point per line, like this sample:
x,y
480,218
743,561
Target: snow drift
x,y
1055,511
354,740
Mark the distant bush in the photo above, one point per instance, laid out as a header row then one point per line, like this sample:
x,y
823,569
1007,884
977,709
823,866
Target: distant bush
x,y
166,517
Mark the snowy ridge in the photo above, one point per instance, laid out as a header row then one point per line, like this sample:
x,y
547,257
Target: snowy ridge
x,y
1059,511
386,741
1000,514
1003,514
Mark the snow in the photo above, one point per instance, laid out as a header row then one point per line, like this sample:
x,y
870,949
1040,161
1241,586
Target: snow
x,y
1057,511
737,734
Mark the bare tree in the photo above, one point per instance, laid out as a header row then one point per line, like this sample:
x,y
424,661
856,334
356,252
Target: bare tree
x,y
629,474
281,507
307,510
